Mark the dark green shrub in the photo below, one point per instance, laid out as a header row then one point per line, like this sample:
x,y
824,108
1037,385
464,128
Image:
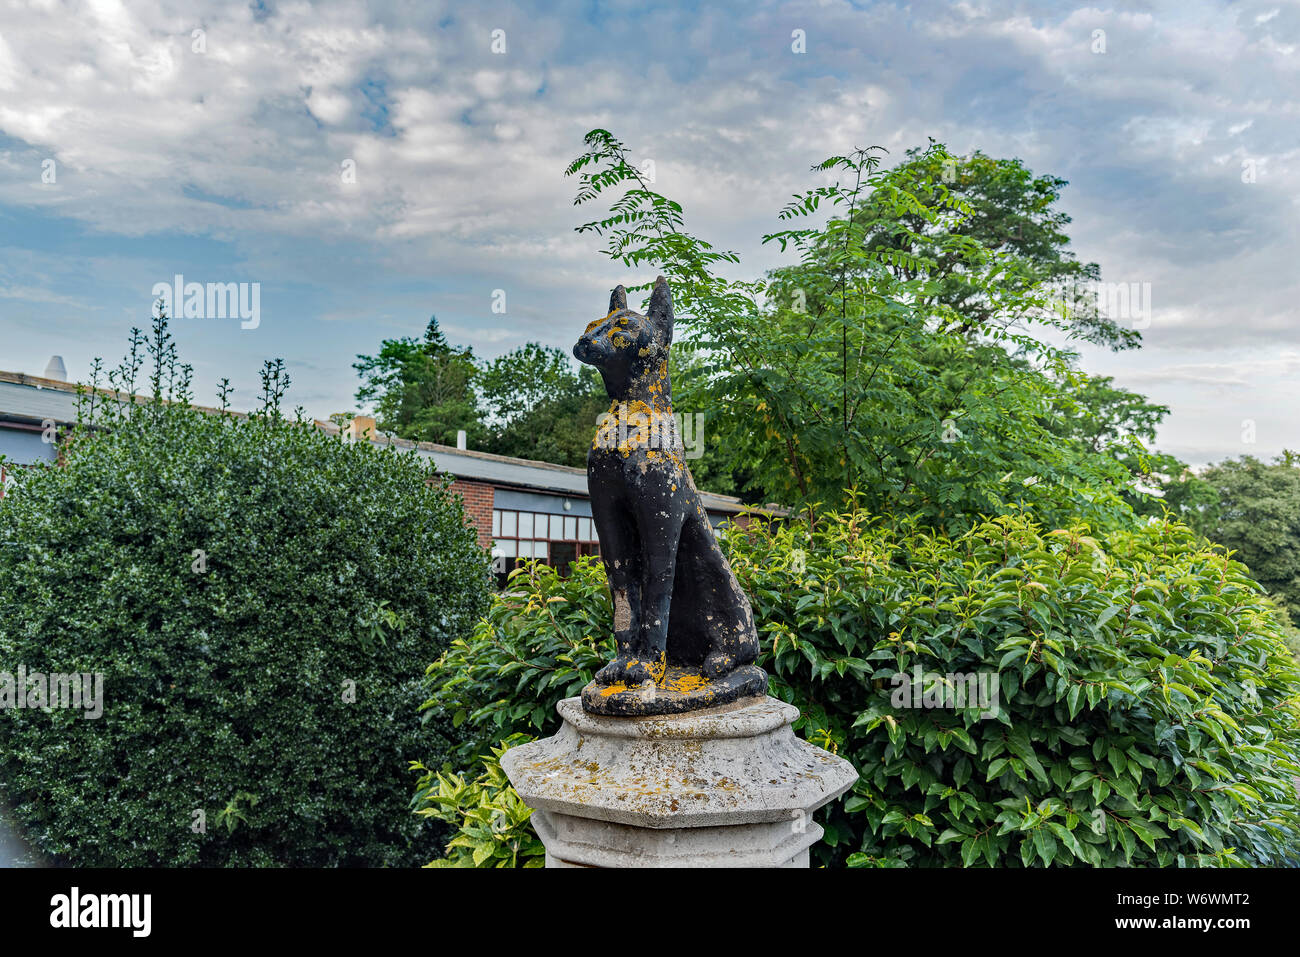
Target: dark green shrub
x,y
322,566
541,641
1147,711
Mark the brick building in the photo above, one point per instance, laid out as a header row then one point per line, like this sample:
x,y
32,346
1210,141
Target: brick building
x,y
523,508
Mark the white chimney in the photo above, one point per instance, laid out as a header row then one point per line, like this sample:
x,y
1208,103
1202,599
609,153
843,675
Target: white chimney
x,y
55,369
462,441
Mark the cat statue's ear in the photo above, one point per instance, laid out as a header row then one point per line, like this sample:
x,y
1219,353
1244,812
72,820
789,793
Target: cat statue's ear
x,y
661,310
618,299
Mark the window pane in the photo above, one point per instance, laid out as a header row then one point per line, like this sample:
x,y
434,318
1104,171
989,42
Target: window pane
x,y
496,522
563,555
540,550
525,524
584,529
554,531
508,525
506,548
570,527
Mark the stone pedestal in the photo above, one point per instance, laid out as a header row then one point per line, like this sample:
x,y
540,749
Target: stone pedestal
x,y
725,787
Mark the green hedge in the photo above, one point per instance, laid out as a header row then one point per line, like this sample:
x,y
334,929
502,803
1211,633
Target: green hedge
x,y
326,566
1148,709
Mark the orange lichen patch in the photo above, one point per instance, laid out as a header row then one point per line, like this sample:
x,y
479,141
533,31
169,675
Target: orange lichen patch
x,y
681,681
596,322
619,326
659,667
669,680
638,408
632,425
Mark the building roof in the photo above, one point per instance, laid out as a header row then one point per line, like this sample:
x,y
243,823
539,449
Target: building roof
x,y
32,398
523,473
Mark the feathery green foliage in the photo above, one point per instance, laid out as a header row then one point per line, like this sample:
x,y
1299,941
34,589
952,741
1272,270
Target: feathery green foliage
x,y
853,370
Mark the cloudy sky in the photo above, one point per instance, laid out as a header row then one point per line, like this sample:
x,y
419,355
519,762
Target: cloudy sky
x,y
371,164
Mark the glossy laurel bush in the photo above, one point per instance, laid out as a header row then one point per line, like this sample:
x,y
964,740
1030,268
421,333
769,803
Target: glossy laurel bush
x,y
540,642
1148,708
490,820
328,567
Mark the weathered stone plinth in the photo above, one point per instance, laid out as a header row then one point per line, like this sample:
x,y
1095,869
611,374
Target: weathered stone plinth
x,y
725,787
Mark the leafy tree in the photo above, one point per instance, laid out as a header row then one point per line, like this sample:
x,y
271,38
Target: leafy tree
x,y
1008,210
1146,704
712,461
534,402
1099,418
1256,513
515,384
422,389
539,404
1112,414
851,369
